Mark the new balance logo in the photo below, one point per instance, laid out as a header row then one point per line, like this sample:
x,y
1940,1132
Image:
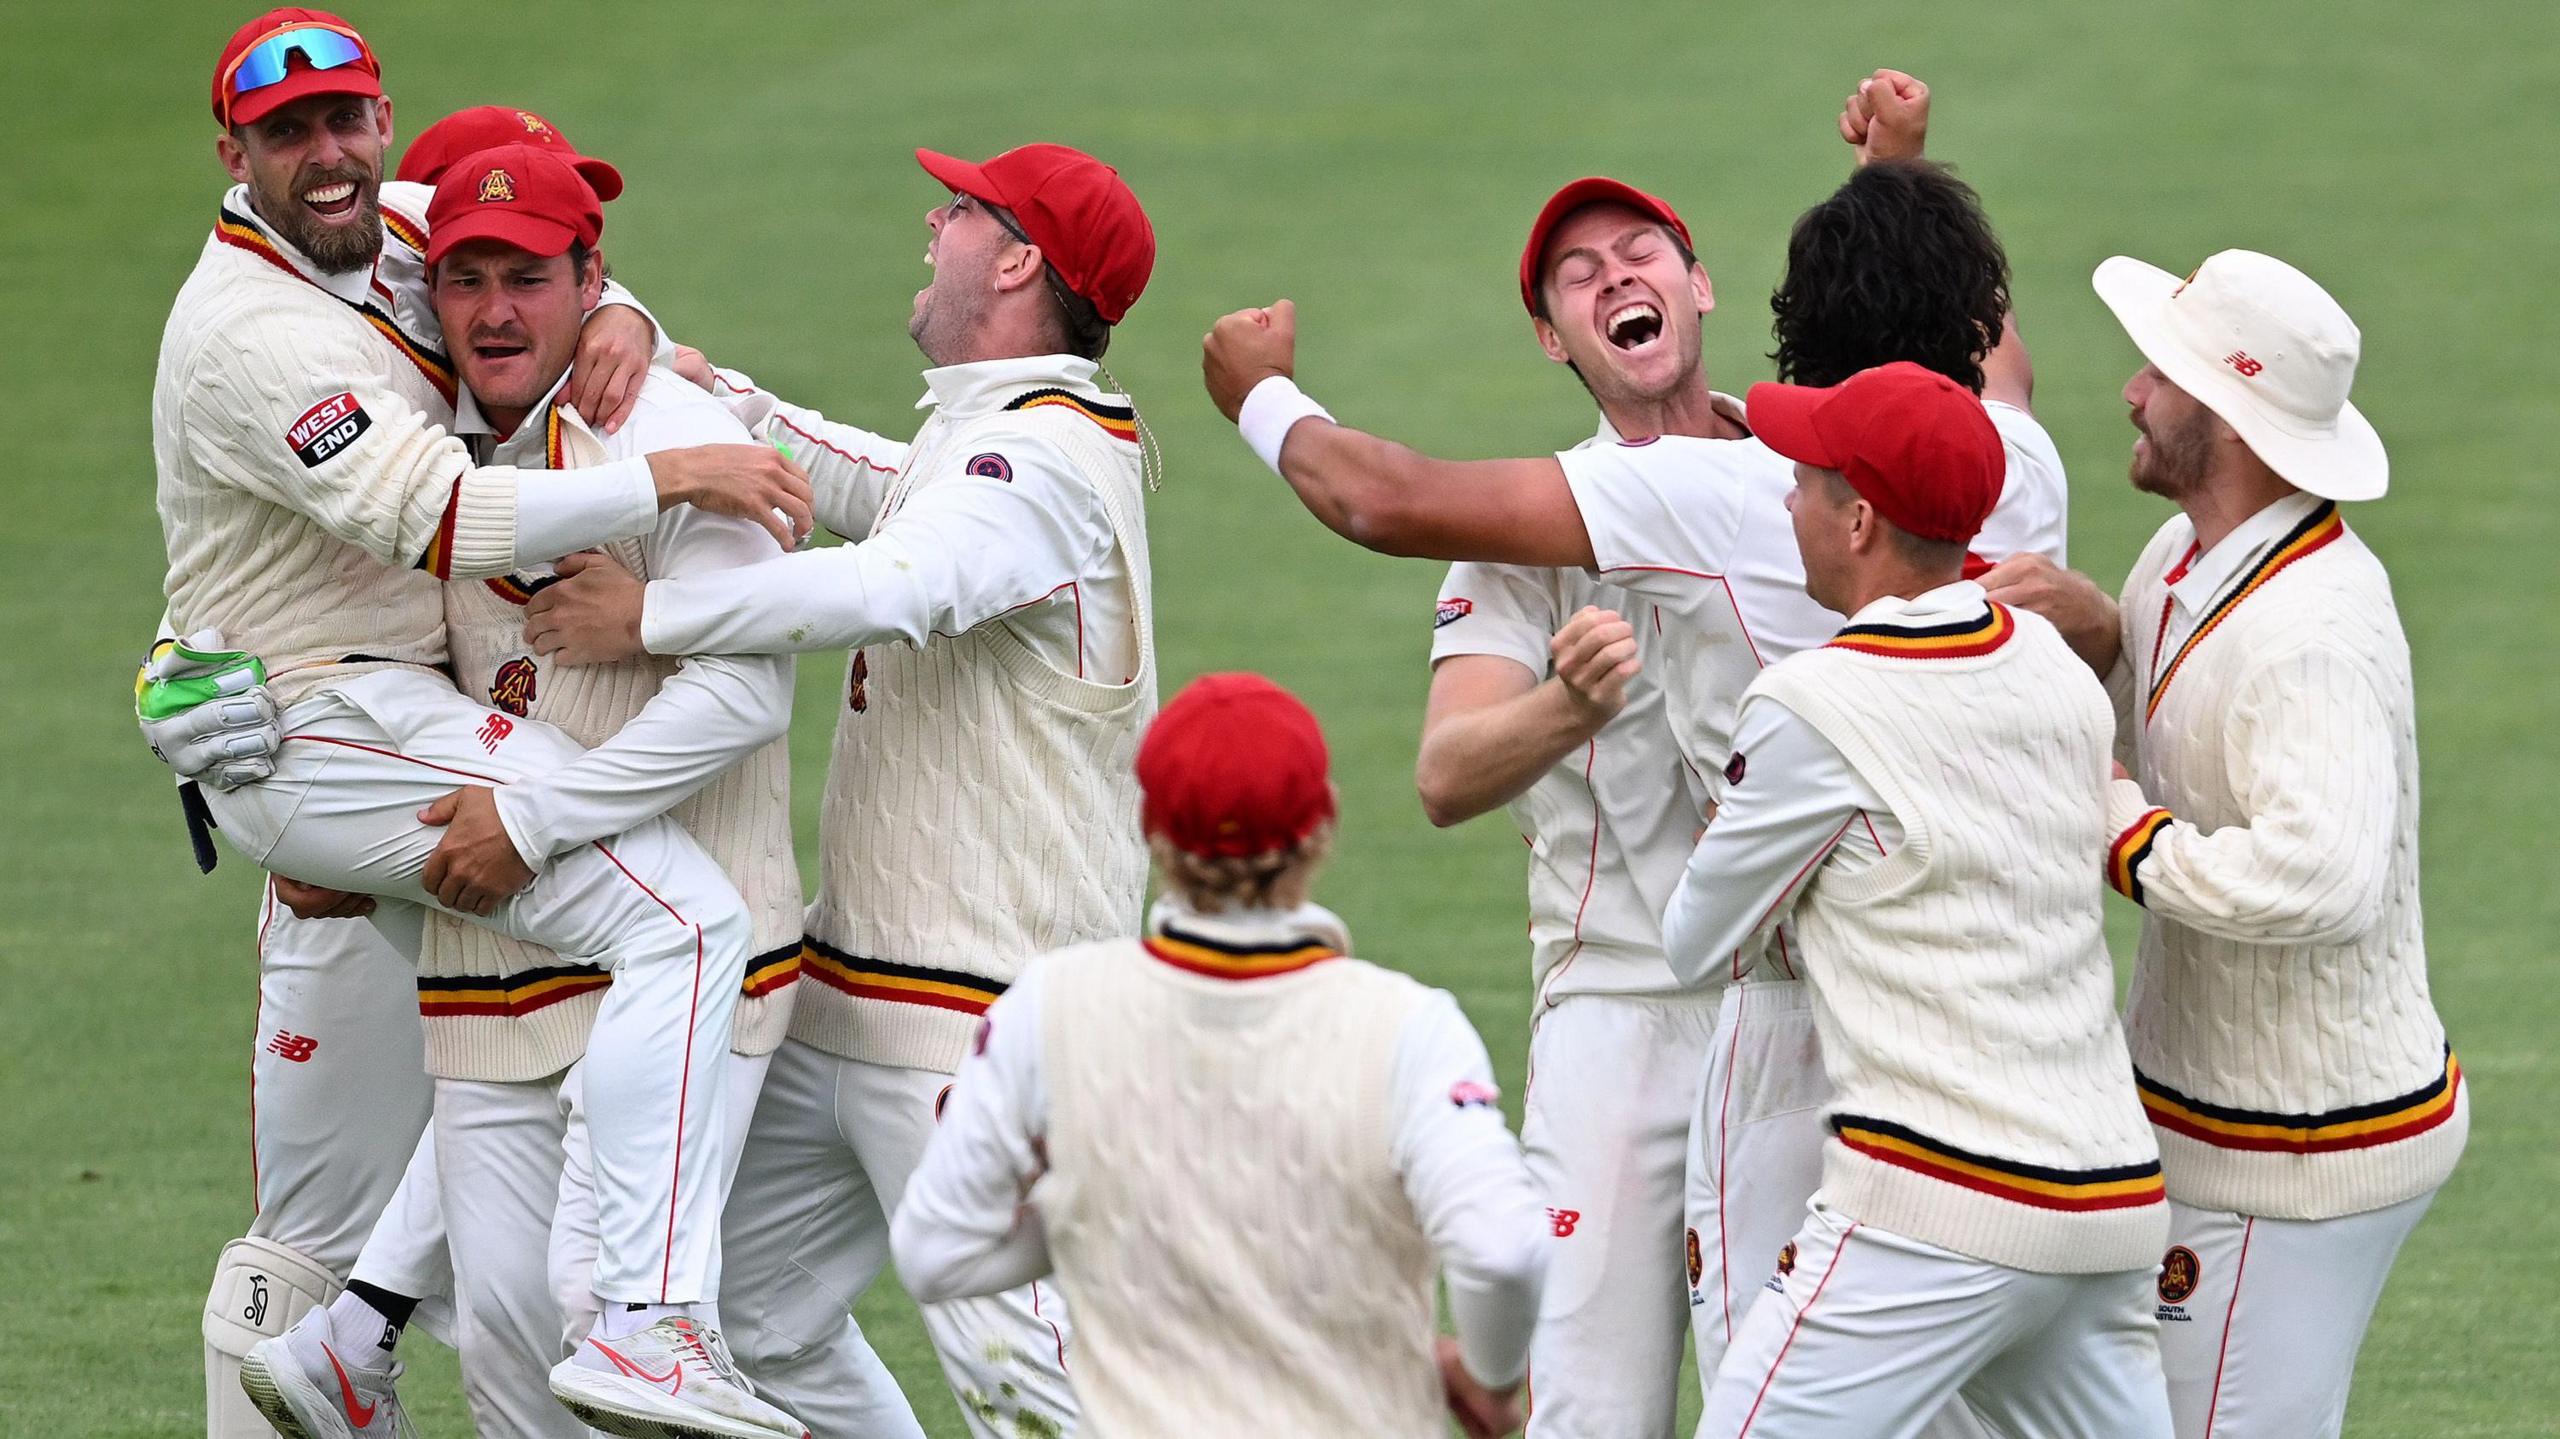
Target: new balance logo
x,y
1564,1221
293,1048
2239,360
493,729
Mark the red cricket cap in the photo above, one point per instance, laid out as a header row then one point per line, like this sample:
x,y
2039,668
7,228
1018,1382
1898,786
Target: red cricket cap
x,y
1913,443
1078,210
1589,190
484,127
363,76
522,195
1234,766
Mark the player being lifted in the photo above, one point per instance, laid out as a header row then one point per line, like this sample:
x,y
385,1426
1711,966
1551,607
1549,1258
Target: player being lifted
x,y
296,435
1135,1106
980,805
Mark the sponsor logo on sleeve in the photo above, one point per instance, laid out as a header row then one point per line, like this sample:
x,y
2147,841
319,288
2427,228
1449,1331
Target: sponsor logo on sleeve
x,y
1786,1265
1734,768
1451,611
1467,1094
990,466
1563,1221
1697,1264
941,1102
326,428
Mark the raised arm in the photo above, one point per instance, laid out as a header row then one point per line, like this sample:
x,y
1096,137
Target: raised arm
x,y
1374,492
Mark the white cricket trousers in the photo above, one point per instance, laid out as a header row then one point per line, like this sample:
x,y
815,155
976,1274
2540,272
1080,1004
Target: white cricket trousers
x,y
1755,1159
1866,1334
833,1144
360,760
2260,1319
1604,1125
338,1091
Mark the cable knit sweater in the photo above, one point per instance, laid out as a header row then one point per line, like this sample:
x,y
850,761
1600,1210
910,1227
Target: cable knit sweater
x,y
2287,1049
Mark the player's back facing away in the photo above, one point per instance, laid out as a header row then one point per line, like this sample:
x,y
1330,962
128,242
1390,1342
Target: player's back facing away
x,y
1231,1199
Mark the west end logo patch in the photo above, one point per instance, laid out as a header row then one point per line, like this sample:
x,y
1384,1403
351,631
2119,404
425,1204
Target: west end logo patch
x,y
497,188
1451,611
326,428
990,466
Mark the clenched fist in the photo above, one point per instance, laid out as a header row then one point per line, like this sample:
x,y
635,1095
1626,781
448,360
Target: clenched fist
x,y
1887,117
1244,349
1595,656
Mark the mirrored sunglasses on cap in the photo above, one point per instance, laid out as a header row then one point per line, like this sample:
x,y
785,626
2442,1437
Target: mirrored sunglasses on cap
x,y
267,62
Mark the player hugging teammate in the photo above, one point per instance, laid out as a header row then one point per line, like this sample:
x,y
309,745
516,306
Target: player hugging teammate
x,y
1825,1060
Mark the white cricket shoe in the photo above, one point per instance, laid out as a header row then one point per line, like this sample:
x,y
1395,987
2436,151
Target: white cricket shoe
x,y
672,1380
308,1390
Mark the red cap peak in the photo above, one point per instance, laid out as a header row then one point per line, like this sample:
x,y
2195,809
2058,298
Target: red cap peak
x,y
1234,766
1589,190
528,196
1085,219
1913,443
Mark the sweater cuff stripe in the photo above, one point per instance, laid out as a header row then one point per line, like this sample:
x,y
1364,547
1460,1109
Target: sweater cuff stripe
x,y
2360,1127
774,970
438,558
2125,856
898,983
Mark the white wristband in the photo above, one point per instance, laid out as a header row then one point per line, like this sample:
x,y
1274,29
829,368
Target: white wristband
x,y
1270,410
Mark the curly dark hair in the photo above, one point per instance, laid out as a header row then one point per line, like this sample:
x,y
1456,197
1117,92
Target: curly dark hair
x,y
1900,263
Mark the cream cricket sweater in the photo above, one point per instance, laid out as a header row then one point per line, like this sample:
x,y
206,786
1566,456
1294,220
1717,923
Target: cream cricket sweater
x,y
500,1010
1188,1108
1962,988
981,804
2288,1051
309,497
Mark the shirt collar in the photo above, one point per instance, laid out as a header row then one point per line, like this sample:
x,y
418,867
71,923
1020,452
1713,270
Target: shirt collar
x,y
1252,928
1724,404
355,286
2203,577
470,424
1959,601
982,386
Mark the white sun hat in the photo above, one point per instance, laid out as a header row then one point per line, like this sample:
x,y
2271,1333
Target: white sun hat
x,y
2265,348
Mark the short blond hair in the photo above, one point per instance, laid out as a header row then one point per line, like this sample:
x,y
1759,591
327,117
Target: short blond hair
x,y
1273,879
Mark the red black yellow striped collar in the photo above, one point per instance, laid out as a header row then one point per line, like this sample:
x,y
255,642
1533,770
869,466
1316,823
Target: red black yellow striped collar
x,y
1233,959
240,232
2315,531
1955,639
1118,421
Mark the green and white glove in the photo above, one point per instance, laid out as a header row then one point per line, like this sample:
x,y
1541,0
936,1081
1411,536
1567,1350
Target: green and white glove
x,y
206,712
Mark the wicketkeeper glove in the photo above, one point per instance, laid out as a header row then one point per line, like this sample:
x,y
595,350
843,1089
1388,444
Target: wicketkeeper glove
x,y
206,713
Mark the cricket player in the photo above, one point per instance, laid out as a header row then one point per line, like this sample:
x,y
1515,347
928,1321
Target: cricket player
x,y
294,419
1918,794
1243,1152
506,1024
980,806
2307,1103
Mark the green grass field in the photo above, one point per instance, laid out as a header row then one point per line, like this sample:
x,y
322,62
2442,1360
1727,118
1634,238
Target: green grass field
x,y
1378,165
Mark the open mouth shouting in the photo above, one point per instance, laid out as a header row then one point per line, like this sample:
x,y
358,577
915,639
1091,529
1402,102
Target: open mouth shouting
x,y
333,200
1632,326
